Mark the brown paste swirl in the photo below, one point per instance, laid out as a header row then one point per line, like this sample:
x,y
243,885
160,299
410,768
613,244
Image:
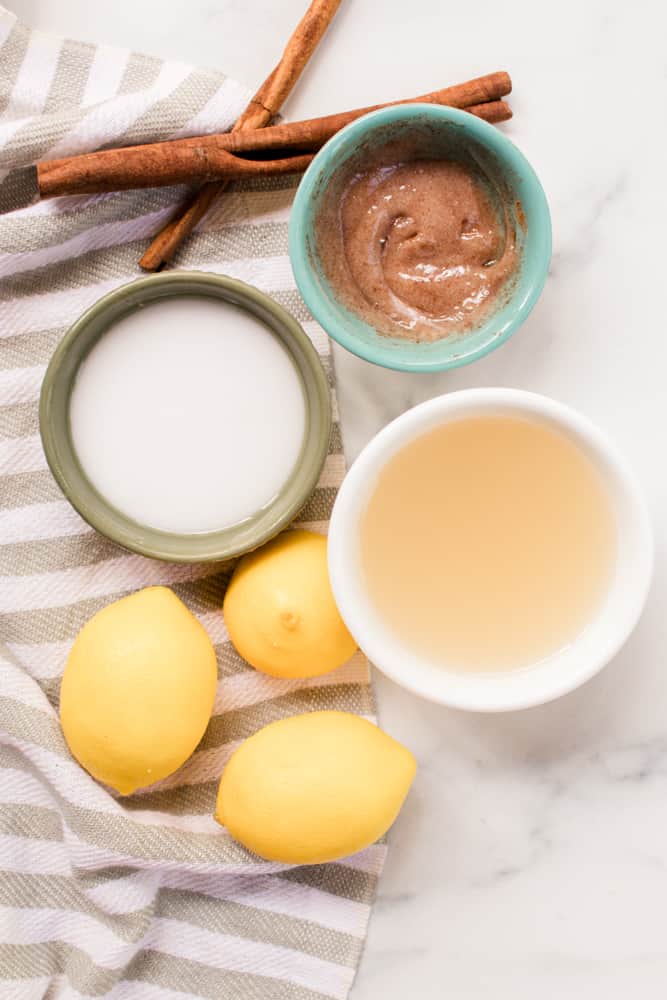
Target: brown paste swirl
x,y
420,249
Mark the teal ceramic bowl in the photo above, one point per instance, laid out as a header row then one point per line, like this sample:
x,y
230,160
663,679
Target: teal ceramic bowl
x,y
54,420
436,132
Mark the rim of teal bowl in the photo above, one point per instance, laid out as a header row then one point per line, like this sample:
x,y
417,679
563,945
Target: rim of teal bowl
x,y
181,547
339,322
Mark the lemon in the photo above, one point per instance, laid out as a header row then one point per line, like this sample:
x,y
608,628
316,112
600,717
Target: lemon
x,y
138,689
314,787
280,612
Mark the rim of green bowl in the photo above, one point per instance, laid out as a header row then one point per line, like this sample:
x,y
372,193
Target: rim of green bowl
x,y
350,330
94,508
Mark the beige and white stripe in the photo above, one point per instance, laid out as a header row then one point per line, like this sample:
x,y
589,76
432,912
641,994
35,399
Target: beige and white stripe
x,y
143,898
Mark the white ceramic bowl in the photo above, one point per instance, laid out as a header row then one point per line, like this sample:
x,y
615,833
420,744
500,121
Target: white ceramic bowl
x,y
550,677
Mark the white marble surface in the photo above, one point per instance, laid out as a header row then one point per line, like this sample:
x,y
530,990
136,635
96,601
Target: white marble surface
x,y
531,858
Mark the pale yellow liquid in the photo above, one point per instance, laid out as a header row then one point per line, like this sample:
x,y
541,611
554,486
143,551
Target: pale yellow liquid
x,y
488,543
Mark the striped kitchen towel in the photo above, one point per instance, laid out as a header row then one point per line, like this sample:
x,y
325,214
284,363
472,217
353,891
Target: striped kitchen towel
x,y
144,897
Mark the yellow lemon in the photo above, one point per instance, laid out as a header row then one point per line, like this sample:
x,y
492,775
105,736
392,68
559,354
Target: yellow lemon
x,y
138,689
280,612
314,787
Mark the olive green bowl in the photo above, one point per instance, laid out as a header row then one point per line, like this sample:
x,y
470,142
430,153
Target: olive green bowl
x,y
55,429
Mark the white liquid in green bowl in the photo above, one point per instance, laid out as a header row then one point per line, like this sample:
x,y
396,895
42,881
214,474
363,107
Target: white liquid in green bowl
x,y
188,415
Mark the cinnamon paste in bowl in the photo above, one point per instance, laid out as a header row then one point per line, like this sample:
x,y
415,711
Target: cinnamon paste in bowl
x,y
419,248
422,239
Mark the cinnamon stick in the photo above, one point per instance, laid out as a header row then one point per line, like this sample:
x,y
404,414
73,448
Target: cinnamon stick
x,y
216,156
494,112
262,108
270,97
163,246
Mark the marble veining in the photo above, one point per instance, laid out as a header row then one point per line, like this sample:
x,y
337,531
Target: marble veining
x,y
531,858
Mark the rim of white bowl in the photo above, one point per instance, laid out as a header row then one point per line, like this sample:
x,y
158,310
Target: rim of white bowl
x,y
551,677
